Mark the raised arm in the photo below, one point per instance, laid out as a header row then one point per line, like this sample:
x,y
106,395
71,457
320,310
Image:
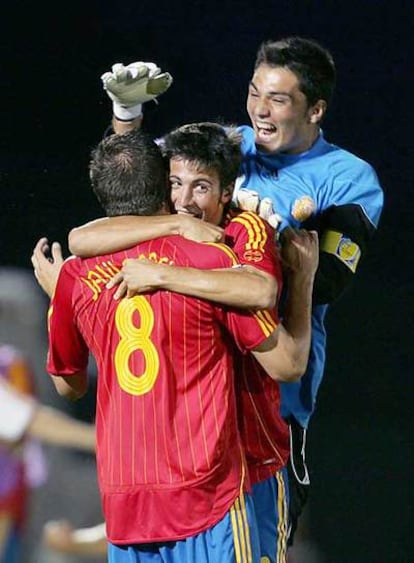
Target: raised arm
x,y
111,234
129,87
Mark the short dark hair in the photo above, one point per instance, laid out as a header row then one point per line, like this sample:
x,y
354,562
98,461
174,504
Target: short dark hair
x,y
308,60
209,145
128,175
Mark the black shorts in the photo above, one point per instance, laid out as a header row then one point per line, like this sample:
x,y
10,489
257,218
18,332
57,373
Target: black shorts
x,y
298,475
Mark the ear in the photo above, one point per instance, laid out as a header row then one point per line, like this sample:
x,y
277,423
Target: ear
x,y
317,111
227,193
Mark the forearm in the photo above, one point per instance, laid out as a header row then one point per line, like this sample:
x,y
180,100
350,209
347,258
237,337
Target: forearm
x,y
242,287
90,541
111,234
53,427
295,336
122,127
61,537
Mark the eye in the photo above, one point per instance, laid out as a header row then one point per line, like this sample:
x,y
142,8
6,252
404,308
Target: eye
x,y
278,100
174,184
201,188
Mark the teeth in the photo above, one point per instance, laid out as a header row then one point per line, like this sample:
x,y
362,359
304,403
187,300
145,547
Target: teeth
x,y
266,127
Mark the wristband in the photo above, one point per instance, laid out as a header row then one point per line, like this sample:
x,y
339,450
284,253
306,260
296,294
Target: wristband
x,y
123,113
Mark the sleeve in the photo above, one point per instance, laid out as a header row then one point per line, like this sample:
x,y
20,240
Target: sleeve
x,y
68,353
249,329
253,241
345,231
15,414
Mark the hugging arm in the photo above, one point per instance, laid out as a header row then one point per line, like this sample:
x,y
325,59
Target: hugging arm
x,y
242,286
111,234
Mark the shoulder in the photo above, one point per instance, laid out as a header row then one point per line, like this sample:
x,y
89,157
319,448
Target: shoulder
x,y
72,265
247,134
348,166
184,252
249,222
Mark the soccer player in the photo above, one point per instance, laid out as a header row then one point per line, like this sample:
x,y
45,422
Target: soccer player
x,y
204,159
293,177
167,473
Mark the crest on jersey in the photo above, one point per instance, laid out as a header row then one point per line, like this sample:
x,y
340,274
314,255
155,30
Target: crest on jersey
x,y
303,208
253,255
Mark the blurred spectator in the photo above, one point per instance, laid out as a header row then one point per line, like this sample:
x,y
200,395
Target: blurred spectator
x,y
22,463
22,324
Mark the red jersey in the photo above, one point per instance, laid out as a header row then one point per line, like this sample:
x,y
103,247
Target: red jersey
x,y
169,459
264,433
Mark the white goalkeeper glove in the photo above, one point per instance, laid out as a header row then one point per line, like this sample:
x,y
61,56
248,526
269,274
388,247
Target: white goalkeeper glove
x,y
249,200
131,86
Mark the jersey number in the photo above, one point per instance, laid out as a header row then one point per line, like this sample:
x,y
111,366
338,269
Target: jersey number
x,y
134,339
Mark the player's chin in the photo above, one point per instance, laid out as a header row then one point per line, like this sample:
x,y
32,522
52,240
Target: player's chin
x,y
267,143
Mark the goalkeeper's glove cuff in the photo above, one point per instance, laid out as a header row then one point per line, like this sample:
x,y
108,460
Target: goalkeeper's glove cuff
x,y
124,113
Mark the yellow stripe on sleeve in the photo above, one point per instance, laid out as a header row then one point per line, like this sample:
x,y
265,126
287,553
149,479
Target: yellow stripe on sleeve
x,y
266,322
256,231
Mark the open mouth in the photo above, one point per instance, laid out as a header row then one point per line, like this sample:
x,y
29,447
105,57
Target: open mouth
x,y
265,130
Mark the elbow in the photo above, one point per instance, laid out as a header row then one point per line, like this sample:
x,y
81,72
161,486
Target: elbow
x,y
71,388
264,292
298,368
296,374
292,372
266,299
74,242
71,394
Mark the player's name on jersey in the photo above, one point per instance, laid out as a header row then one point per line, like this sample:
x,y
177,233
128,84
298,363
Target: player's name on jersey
x,y
97,278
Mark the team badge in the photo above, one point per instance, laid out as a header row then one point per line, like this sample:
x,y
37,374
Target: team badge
x,y
303,208
349,253
341,246
253,255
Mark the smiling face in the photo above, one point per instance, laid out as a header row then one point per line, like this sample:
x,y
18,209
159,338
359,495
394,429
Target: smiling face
x,y
281,117
197,191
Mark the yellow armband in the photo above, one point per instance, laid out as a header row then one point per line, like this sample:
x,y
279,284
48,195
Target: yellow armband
x,y
347,251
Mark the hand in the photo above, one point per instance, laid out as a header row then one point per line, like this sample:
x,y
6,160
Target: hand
x,y
300,251
248,200
198,230
137,276
46,270
58,536
133,85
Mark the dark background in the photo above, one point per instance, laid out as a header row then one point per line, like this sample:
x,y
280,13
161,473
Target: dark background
x,y
54,111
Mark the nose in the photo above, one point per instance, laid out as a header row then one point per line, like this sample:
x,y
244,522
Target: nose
x,y
261,107
184,197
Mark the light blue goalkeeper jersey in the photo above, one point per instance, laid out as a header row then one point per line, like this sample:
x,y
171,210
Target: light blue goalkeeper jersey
x,y
293,189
